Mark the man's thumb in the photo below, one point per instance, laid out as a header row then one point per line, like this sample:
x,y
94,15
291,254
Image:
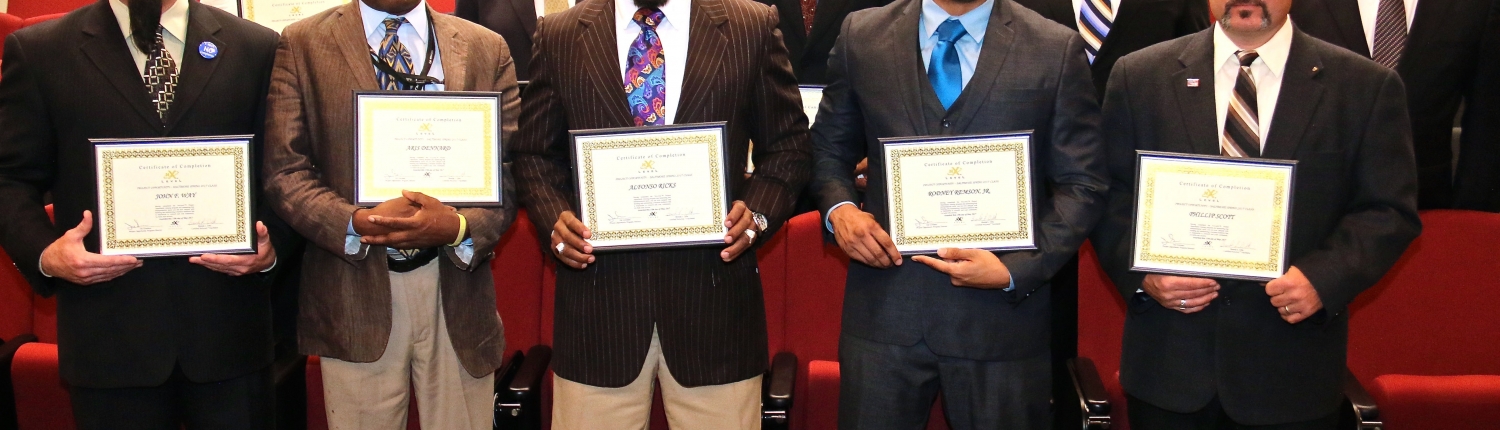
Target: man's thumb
x,y
84,227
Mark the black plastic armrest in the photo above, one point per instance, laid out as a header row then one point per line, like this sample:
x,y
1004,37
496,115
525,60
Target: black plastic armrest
x,y
528,380
776,405
1093,399
1362,412
7,393
518,396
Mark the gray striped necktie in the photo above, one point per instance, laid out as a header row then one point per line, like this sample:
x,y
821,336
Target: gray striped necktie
x,y
1242,124
1390,33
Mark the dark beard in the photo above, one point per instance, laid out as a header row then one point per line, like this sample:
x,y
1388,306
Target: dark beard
x,y
1265,12
653,4
145,18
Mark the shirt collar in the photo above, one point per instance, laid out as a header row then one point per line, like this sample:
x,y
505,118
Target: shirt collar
x,y
975,22
673,11
174,19
375,20
1274,52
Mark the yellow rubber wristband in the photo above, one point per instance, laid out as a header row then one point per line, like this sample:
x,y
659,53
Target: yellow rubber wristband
x,y
463,229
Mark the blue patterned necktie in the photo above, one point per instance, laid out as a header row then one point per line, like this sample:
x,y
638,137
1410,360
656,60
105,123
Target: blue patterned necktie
x,y
646,79
1095,17
393,53
943,70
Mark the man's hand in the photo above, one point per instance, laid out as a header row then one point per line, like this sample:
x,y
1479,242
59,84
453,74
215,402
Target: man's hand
x,y
970,268
742,231
861,174
67,259
1294,296
399,207
239,265
568,241
1183,294
433,224
862,238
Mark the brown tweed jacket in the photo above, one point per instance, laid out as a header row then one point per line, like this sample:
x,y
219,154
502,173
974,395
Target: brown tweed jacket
x,y
345,309
710,314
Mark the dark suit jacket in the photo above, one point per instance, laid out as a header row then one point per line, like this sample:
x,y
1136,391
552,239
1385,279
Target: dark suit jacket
x,y
72,79
809,50
1440,69
1343,118
710,314
345,301
1138,24
514,20
1032,74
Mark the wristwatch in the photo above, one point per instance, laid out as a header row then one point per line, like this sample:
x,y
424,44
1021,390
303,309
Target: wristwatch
x,y
760,221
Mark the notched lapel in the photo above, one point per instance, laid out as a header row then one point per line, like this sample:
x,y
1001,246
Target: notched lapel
x,y
597,41
1300,95
348,32
454,51
106,48
195,71
999,40
1196,103
707,46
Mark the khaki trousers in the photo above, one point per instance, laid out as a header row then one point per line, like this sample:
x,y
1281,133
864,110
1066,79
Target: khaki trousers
x,y
418,357
735,405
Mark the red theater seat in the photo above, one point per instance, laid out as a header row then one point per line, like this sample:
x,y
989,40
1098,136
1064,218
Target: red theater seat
x,y
1101,325
41,397
1410,402
32,8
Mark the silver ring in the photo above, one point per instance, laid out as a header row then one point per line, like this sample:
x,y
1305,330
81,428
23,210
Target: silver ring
x,y
751,234
1182,305
1288,309
561,246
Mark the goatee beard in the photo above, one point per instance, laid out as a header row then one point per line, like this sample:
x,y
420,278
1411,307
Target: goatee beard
x,y
145,18
1265,13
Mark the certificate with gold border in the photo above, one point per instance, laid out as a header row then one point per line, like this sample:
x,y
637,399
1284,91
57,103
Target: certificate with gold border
x,y
652,187
812,96
175,196
443,144
959,192
1210,216
277,14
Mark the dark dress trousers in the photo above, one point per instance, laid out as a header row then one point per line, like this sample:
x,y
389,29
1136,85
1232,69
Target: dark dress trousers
x,y
1343,119
72,79
1137,24
808,50
514,20
710,314
1441,67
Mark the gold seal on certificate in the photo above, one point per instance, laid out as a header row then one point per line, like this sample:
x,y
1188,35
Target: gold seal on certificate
x,y
177,196
959,192
1211,216
443,144
652,187
277,14
812,96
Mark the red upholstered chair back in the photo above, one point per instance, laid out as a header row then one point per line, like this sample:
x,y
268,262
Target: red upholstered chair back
x,y
1434,312
8,24
442,6
33,8
1101,325
517,268
15,300
815,274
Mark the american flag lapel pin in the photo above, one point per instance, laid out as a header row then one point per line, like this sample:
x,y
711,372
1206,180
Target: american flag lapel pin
x,y
1192,82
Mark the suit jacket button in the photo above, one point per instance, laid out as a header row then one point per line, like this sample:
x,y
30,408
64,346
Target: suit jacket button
x,y
946,124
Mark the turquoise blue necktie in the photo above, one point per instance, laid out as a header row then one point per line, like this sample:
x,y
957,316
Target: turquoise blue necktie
x,y
943,70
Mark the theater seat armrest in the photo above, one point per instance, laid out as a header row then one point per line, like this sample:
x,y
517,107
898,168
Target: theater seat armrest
x,y
1360,412
7,391
528,380
776,406
8,350
1093,399
518,396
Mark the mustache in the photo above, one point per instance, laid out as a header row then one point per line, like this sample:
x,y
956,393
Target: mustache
x,y
145,18
1265,12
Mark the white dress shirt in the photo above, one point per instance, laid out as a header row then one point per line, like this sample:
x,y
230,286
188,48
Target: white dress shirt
x,y
673,32
174,20
413,34
1368,10
1267,71
541,11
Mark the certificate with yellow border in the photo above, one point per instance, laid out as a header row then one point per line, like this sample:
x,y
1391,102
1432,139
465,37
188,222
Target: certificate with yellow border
x,y
277,14
1210,216
652,187
175,196
443,144
959,192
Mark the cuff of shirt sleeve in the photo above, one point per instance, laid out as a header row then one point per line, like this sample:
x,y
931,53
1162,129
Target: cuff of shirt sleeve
x,y
40,269
273,264
827,221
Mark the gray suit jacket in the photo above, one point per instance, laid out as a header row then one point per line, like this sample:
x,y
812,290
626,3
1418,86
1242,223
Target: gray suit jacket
x,y
1032,75
346,299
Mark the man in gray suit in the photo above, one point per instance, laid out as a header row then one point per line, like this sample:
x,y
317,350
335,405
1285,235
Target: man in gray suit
x,y
973,324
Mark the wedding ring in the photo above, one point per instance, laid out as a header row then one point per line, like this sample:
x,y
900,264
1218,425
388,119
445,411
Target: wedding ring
x,y
561,246
751,234
1288,309
1182,305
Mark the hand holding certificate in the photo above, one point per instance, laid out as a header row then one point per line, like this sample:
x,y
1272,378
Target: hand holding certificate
x,y
652,187
959,192
165,197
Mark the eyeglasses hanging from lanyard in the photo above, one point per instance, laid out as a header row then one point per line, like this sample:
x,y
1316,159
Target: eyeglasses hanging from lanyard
x,y
408,80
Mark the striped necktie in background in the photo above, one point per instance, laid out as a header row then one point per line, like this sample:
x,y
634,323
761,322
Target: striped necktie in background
x,y
1390,33
1094,19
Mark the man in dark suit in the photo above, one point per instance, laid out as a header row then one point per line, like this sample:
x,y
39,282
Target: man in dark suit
x,y
809,28
1114,28
974,325
692,316
514,20
158,343
1223,354
1436,46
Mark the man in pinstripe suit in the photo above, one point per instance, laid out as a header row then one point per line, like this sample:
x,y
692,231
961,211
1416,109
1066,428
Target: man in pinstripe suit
x,y
694,317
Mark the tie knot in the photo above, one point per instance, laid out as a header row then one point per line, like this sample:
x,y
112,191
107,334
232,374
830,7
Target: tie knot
x,y
393,23
951,30
1247,57
648,17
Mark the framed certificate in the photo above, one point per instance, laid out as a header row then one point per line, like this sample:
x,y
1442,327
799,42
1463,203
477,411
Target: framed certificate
x,y
175,196
277,14
959,192
443,144
652,187
812,96
1209,216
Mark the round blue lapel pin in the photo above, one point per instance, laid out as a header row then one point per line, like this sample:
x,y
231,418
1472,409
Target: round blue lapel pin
x,y
208,50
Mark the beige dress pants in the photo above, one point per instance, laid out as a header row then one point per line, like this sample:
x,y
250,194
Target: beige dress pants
x,y
418,357
735,405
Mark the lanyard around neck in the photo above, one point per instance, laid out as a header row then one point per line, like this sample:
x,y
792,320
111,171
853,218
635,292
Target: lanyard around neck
x,y
412,81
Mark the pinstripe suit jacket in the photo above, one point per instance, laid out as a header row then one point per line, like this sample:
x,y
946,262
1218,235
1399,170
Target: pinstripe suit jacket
x,y
709,314
345,302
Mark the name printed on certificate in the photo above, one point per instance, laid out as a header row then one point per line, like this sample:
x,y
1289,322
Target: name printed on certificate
x,y
1212,216
184,196
959,192
652,187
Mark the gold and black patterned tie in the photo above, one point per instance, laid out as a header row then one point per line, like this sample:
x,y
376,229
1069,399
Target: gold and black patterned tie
x,y
1242,124
161,77
394,53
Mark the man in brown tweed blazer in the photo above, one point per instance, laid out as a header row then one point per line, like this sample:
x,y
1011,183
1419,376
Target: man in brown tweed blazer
x,y
692,317
383,321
